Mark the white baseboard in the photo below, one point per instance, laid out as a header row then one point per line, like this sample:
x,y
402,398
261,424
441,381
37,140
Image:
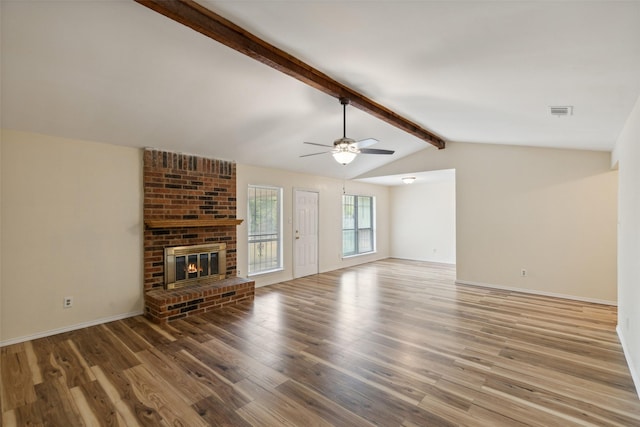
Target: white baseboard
x,y
537,292
430,261
69,328
627,356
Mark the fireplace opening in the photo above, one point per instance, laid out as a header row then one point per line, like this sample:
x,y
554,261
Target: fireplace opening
x,y
184,265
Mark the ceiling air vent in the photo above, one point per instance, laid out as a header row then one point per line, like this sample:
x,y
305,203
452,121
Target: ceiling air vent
x,y
561,111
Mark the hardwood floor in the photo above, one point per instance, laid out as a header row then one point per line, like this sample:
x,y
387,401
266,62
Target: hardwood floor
x,y
388,343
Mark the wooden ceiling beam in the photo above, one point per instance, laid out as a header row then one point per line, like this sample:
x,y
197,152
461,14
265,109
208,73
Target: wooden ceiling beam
x,y
214,26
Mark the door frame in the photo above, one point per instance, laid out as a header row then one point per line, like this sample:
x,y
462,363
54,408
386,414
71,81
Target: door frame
x,y
295,224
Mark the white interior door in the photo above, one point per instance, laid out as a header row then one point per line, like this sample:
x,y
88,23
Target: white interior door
x,y
305,231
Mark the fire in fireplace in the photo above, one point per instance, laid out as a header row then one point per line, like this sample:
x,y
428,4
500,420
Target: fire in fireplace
x,y
188,264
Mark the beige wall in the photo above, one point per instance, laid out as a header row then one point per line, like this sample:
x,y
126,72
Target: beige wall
x,y
551,212
72,210
71,226
627,154
330,221
1,209
423,218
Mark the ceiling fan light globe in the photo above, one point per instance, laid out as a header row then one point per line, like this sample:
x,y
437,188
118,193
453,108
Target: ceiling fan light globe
x,y
344,157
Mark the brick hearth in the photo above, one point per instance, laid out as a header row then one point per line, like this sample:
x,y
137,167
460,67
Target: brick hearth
x,y
185,187
166,305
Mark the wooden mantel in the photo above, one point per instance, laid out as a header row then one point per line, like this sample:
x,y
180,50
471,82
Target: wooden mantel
x,y
191,223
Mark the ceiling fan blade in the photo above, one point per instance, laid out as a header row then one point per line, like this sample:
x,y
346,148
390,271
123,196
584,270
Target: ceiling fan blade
x,y
375,151
319,145
314,154
364,143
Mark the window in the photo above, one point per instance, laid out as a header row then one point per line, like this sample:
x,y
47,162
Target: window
x,y
265,229
357,225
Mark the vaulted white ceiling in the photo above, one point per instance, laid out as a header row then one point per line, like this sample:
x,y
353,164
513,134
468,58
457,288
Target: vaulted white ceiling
x,y
471,71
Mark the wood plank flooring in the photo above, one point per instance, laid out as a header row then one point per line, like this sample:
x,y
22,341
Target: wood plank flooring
x,y
390,343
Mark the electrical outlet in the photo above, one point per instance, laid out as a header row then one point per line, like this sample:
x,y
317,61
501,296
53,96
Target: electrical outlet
x,y
67,302
523,272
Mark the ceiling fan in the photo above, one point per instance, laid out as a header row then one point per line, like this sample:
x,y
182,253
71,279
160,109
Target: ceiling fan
x,y
344,149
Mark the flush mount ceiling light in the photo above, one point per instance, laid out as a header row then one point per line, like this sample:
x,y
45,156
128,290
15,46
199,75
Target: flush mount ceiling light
x,y
408,179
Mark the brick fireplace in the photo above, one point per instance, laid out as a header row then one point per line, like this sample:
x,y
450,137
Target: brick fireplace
x,y
188,201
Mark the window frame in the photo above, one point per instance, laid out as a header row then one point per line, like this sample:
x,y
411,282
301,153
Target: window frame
x,y
356,229
251,267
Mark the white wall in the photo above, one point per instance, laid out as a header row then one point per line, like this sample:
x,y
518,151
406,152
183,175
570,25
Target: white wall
x,y
330,226
552,212
627,153
71,226
423,218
